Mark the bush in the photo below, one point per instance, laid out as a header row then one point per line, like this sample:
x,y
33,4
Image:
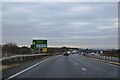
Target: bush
x,y
24,50
115,53
10,48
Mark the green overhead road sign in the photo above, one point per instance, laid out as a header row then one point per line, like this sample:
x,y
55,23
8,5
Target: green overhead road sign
x,y
33,46
39,45
39,41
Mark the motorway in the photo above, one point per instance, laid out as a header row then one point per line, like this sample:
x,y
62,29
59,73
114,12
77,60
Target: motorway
x,y
73,66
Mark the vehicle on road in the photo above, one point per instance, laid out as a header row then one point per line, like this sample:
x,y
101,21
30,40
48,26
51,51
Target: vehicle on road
x,y
65,54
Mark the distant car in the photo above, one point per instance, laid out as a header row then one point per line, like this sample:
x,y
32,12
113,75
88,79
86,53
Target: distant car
x,y
73,52
65,54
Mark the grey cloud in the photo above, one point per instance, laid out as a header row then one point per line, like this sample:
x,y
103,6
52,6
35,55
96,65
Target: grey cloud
x,y
53,21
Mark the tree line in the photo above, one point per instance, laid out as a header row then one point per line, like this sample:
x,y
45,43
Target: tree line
x,y
11,48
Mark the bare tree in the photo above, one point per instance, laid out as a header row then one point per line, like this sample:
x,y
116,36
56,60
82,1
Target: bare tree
x,y
10,48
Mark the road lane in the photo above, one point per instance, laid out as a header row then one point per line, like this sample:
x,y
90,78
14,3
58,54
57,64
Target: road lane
x,y
59,67
73,66
96,68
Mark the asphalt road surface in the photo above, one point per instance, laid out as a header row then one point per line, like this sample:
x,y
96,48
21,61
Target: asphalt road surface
x,y
73,66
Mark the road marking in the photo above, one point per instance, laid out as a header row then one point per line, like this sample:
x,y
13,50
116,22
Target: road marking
x,y
29,68
76,64
83,69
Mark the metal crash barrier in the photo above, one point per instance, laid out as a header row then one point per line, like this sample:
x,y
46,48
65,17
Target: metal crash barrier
x,y
21,58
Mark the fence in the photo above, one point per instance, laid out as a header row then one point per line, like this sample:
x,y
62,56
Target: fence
x,y
108,58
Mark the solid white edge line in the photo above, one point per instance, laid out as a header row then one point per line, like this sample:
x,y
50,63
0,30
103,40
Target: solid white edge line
x,y
29,68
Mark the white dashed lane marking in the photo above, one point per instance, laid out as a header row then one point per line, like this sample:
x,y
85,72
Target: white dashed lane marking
x,y
83,69
76,64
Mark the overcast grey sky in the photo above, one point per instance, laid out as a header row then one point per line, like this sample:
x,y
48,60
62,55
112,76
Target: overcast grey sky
x,y
81,24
